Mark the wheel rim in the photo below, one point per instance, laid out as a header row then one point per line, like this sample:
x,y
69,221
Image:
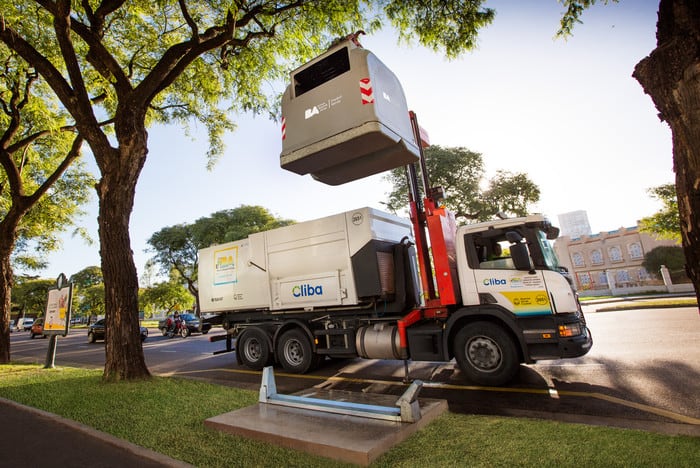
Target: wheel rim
x,y
293,352
484,353
252,350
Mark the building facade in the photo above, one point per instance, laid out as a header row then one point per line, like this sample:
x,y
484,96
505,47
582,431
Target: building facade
x,y
601,264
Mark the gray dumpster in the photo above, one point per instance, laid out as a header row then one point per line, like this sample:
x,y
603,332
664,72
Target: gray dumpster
x,y
345,117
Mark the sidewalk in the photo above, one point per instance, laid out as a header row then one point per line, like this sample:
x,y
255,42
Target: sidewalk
x,y
31,437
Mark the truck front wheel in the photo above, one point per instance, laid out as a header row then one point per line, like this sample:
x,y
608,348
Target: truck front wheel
x,y
486,354
253,348
295,353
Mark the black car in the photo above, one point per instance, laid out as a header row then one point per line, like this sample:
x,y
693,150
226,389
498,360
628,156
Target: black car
x,y
191,320
96,331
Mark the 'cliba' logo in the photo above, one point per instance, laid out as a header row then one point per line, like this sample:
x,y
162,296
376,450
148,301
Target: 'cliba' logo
x,y
494,282
306,290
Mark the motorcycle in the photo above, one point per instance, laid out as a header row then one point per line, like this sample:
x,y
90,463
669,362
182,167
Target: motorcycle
x,y
177,327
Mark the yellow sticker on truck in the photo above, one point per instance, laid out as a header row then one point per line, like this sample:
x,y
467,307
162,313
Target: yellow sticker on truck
x,y
529,302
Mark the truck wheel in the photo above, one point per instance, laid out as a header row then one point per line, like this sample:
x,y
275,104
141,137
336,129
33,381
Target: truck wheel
x,y
253,348
486,354
294,352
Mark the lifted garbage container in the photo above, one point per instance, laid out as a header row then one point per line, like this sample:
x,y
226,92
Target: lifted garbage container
x,y
345,117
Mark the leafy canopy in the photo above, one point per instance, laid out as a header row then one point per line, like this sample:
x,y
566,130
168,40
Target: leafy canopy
x,y
39,197
460,173
665,223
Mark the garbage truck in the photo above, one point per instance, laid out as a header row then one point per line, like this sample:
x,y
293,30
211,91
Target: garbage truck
x,y
370,284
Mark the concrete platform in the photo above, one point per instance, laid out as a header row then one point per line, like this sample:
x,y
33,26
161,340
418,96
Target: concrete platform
x,y
346,438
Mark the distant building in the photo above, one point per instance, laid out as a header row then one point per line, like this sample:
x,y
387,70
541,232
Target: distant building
x,y
608,261
574,224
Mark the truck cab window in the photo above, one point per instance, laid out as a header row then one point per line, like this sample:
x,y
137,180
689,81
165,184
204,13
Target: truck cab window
x,y
491,252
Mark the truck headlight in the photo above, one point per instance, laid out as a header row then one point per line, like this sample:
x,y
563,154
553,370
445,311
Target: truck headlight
x,y
569,329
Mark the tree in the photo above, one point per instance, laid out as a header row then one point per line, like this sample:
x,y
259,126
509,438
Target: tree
x,y
30,295
42,185
671,76
664,223
670,256
169,295
176,247
459,172
88,292
174,61
91,300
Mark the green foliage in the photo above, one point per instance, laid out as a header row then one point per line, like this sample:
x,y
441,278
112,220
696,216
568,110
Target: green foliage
x,y
39,196
671,256
88,276
30,295
91,300
449,25
175,247
460,172
168,295
665,223
572,15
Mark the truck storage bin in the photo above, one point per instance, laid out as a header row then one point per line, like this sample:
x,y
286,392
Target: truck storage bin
x,y
345,117
305,265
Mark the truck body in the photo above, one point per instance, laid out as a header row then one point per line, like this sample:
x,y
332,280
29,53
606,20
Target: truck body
x,y
370,284
348,285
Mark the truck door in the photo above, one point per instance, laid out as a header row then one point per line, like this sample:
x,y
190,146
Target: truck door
x,y
496,280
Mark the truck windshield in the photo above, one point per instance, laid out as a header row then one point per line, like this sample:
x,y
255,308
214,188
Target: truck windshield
x,y
550,257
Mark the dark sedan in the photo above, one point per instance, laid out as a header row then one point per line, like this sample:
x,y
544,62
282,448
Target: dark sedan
x,y
96,331
191,320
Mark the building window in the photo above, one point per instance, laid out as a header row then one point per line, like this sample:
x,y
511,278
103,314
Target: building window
x,y
585,280
635,250
578,259
602,278
644,274
597,257
622,276
615,254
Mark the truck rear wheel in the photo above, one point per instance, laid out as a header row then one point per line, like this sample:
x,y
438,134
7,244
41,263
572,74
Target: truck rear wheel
x,y
486,354
295,353
253,348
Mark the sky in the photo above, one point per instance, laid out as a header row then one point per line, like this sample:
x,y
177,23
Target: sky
x,y
566,112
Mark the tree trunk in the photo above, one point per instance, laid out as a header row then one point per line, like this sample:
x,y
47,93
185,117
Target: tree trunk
x,y
116,190
8,236
5,299
671,76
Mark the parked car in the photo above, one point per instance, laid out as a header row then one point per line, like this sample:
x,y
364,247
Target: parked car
x,y
96,331
12,326
191,320
37,328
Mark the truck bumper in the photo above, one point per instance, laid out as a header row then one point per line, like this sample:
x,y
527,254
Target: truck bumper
x,y
576,346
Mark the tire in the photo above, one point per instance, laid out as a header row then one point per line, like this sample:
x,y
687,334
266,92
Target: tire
x,y
253,348
163,331
205,332
486,354
184,332
294,352
31,335
91,337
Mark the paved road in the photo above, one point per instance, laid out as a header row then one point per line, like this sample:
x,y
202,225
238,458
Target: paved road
x,y
643,370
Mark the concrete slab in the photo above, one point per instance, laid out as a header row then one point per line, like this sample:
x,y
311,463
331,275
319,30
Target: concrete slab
x,y
340,437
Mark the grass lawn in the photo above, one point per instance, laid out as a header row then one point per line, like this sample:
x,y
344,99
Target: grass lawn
x,y
167,414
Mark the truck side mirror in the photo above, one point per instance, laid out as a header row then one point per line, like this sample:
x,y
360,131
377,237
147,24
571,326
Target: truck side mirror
x,y
519,252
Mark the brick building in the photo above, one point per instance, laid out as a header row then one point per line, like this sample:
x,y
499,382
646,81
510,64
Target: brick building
x,y
604,263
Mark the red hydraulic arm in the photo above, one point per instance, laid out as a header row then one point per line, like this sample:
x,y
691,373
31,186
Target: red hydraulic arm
x,y
434,230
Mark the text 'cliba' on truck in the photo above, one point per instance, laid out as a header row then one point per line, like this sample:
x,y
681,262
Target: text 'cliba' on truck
x,y
365,283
